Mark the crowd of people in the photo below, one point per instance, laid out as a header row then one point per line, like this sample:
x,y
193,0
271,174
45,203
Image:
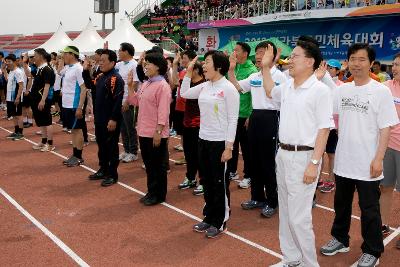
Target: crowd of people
x,y
285,122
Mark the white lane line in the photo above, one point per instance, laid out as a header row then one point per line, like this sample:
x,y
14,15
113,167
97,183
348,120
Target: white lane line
x,y
244,240
46,231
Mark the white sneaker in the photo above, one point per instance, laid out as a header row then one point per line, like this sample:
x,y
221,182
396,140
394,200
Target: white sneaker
x,y
245,183
38,146
129,158
47,148
122,155
290,264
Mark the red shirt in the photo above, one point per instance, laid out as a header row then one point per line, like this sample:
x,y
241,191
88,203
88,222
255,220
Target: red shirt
x,y
191,117
180,102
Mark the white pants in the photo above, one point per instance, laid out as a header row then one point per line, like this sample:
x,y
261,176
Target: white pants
x,y
296,234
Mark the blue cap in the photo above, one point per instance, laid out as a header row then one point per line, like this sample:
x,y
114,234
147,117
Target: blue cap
x,y
334,63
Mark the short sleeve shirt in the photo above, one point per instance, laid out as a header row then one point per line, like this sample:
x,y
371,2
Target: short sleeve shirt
x,y
254,84
72,80
14,78
304,111
123,69
363,111
44,75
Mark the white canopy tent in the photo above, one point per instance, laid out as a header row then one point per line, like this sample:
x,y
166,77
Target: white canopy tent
x,y
88,40
57,42
127,33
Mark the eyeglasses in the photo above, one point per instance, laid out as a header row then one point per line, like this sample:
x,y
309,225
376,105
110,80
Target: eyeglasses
x,y
294,56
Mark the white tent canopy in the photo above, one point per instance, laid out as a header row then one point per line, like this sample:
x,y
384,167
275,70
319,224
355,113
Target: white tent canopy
x,y
57,42
127,33
88,40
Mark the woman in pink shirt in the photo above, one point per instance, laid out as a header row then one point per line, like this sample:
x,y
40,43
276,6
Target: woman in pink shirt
x,y
153,99
391,162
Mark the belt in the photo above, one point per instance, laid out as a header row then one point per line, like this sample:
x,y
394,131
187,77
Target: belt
x,y
295,147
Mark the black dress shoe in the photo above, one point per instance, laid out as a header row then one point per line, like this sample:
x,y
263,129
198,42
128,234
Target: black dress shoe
x,y
100,174
151,201
109,181
142,199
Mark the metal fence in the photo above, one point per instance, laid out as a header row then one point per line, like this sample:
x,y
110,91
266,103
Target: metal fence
x,y
265,7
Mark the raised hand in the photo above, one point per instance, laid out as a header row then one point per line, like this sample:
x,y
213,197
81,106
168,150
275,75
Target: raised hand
x,y
268,58
320,72
232,61
191,64
177,58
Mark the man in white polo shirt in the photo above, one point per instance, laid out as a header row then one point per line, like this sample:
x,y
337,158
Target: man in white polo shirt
x,y
128,131
305,121
366,113
73,98
262,134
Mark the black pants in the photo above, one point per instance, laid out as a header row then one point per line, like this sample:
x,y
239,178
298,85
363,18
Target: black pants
x,y
108,149
190,148
262,133
156,163
371,223
215,183
243,140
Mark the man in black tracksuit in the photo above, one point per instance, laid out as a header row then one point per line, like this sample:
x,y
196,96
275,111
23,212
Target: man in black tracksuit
x,y
107,119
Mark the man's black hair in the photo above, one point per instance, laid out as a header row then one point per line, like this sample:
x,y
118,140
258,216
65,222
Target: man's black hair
x,y
170,59
311,49
1,54
264,44
396,56
377,63
221,61
112,56
129,48
158,60
54,54
190,54
245,47
306,38
42,52
359,46
11,57
99,51
48,57
157,49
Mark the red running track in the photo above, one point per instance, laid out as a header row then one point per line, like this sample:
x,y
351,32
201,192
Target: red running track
x,y
109,227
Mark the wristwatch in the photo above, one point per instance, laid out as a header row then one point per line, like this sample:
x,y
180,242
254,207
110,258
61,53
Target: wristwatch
x,y
314,161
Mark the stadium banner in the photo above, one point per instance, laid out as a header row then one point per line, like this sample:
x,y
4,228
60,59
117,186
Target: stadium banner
x,y
299,15
334,35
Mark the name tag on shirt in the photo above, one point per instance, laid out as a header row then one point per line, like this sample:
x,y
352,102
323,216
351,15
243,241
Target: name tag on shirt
x,y
255,83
